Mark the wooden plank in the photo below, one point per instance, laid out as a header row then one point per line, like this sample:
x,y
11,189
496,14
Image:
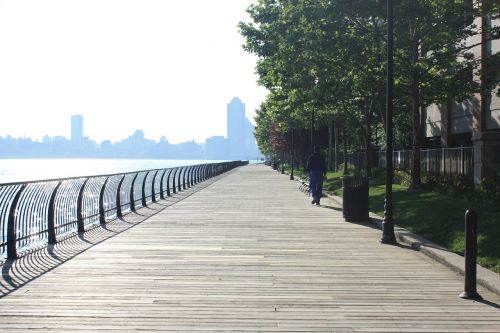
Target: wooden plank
x,y
243,253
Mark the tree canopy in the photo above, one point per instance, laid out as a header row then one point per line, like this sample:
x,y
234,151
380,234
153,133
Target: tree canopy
x,y
328,57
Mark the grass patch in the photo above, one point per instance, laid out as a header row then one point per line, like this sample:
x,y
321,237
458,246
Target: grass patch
x,y
437,217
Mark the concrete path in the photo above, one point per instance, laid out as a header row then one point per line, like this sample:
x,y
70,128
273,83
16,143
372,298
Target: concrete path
x,y
246,252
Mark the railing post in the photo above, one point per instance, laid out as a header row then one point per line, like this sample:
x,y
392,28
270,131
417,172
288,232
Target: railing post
x,y
191,178
443,161
204,172
153,194
162,196
187,176
119,213
79,208
51,222
174,188
132,197
428,161
179,180
168,181
102,211
11,225
191,175
186,170
461,160
194,175
143,190
470,289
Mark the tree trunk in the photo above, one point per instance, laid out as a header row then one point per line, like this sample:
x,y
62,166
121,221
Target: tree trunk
x,y
415,182
417,144
368,141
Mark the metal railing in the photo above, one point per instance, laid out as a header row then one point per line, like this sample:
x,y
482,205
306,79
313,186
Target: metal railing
x,y
441,161
42,212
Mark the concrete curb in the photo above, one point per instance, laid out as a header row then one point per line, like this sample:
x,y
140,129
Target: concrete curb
x,y
486,278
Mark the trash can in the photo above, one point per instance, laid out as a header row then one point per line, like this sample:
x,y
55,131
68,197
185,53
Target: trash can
x,y
355,201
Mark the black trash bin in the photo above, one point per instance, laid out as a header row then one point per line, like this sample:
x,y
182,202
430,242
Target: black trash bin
x,y
355,202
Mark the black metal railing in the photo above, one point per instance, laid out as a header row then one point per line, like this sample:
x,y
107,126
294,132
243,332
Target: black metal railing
x,y
42,212
441,161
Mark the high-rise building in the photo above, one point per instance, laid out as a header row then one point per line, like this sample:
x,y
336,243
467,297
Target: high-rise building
x,y
236,121
76,127
240,138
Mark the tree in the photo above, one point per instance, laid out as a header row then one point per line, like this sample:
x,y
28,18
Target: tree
x,y
327,57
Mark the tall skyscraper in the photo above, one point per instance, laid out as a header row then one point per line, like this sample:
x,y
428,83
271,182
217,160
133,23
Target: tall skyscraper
x,y
76,127
240,138
236,121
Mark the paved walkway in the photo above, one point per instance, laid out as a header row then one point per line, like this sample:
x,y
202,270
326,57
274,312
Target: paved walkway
x,y
246,252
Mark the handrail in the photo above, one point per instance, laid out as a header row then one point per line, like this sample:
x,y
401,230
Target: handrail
x,y
42,212
440,161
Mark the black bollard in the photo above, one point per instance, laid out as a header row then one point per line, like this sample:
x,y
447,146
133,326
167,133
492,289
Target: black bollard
x,y
470,290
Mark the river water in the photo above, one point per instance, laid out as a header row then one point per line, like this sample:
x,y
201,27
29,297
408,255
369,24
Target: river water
x,y
17,170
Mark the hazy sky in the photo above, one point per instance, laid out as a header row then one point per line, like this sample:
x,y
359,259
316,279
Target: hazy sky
x,y
168,67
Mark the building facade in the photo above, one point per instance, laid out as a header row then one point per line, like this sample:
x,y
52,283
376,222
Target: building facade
x,y
236,122
474,122
76,128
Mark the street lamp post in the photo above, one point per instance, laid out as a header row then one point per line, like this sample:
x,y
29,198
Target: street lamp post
x,y
316,80
388,236
312,131
292,157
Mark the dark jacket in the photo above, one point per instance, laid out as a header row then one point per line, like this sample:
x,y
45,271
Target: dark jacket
x,y
316,162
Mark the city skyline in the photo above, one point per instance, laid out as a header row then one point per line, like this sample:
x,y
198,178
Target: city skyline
x,y
77,129
167,68
239,143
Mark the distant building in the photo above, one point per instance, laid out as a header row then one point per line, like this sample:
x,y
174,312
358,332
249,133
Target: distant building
x,y
251,149
46,139
240,139
76,128
236,122
216,148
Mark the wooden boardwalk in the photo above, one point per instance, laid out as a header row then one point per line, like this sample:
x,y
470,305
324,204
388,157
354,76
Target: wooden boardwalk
x,y
246,252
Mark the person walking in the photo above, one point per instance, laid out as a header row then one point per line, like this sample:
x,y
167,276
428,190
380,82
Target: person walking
x,y
316,167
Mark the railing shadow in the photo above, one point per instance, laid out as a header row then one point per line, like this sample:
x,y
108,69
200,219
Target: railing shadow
x,y
489,303
34,263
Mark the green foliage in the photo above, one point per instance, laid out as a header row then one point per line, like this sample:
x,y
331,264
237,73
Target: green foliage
x,y
454,186
333,183
328,57
402,177
490,189
351,169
